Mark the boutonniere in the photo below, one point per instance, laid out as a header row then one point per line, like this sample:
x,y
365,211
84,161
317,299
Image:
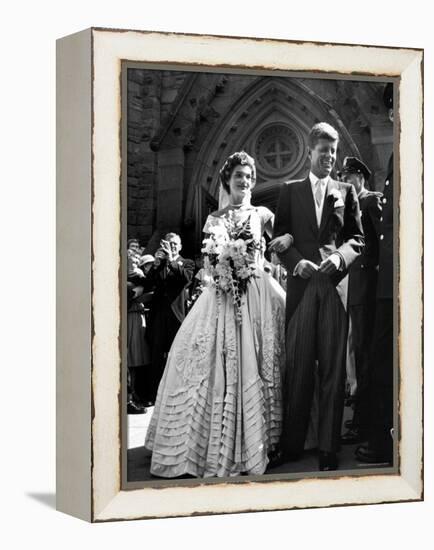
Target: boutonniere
x,y
336,197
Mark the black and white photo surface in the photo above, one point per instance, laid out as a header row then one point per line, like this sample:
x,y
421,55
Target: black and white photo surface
x,y
259,261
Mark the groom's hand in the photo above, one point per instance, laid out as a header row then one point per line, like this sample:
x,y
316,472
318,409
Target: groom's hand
x,y
280,244
331,264
305,269
138,291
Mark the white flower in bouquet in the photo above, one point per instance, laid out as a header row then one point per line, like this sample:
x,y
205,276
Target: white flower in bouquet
x,y
245,272
219,234
223,269
209,246
240,246
225,253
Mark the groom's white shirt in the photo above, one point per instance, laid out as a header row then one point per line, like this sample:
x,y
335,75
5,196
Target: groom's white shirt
x,y
324,182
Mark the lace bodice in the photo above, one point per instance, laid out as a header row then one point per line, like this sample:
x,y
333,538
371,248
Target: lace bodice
x,y
258,216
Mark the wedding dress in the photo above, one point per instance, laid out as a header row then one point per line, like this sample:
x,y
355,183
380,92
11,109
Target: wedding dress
x,y
218,410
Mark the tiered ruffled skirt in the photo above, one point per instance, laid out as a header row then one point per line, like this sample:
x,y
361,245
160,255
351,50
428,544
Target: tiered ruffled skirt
x,y
219,405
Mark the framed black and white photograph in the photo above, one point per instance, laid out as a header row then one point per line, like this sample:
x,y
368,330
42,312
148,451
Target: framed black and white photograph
x,y
246,313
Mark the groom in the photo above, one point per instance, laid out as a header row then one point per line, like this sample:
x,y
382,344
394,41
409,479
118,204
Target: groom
x,y
322,216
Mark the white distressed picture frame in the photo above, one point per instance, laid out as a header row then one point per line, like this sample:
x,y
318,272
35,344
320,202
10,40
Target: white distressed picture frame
x,y
89,166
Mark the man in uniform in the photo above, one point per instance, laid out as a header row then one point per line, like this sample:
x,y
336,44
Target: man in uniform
x,y
380,433
362,286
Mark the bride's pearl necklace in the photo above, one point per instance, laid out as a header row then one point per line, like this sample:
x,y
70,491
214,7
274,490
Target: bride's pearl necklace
x,y
240,205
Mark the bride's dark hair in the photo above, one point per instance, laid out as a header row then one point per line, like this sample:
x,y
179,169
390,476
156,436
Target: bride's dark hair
x,y
237,159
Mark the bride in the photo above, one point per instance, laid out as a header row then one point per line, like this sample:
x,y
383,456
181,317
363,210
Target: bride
x,y
219,405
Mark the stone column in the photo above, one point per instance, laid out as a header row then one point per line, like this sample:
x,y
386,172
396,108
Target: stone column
x,y
170,190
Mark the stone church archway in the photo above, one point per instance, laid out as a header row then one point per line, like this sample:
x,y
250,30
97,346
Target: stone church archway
x,y
270,120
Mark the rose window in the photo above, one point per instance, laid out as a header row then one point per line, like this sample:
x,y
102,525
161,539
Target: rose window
x,y
278,148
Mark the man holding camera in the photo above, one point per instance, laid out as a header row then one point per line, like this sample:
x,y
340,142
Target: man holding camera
x,y
171,275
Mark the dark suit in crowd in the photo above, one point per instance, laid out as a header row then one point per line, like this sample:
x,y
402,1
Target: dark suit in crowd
x,y
381,380
362,288
380,435
168,309
315,316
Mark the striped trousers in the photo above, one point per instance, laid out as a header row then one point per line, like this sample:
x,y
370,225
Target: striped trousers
x,y
316,338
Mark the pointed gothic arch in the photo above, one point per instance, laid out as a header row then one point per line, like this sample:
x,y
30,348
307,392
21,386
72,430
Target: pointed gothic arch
x,y
271,108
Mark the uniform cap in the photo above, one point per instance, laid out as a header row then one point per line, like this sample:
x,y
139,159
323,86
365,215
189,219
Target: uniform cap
x,y
353,165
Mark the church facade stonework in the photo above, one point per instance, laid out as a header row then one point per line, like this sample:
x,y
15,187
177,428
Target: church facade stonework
x,y
181,126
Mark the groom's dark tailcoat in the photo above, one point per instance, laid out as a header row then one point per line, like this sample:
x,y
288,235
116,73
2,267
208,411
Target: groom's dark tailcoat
x,y
315,317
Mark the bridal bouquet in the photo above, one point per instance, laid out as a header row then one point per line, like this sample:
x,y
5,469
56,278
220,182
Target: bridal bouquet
x,y
229,257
